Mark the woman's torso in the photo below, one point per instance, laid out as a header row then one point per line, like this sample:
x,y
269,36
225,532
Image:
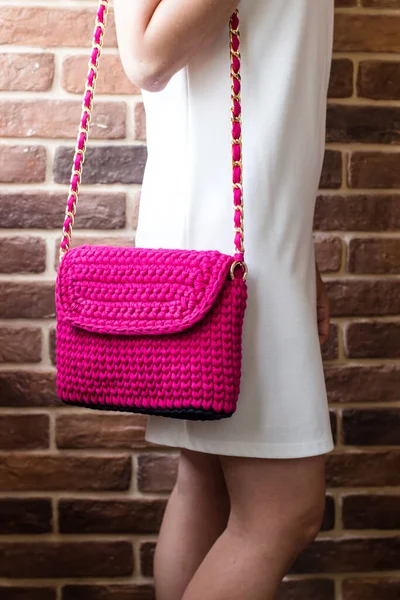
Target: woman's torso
x,y
187,194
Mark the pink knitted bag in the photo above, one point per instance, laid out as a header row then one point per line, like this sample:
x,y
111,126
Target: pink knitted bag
x,y
154,331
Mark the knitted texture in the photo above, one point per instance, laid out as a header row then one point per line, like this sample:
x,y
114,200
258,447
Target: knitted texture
x,y
152,331
138,290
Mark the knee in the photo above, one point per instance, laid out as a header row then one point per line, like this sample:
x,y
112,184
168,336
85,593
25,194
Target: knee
x,y
305,522
296,522
304,517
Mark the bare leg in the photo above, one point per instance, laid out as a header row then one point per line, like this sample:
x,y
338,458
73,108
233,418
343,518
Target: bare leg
x,y
276,510
196,515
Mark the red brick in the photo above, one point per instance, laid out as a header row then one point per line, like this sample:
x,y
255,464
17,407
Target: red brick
x,y
363,297
27,593
329,514
371,589
359,212
328,253
373,340
347,555
48,27
363,124
381,3
24,432
111,78
26,72
100,431
371,427
20,254
99,240
26,472
22,164
311,589
21,300
157,472
45,210
108,592
360,469
22,388
331,175
374,255
374,170
52,332
348,383
379,80
32,560
110,516
25,515
139,118
20,344
146,558
341,78
24,118
103,164
356,32
79,240
333,420
371,511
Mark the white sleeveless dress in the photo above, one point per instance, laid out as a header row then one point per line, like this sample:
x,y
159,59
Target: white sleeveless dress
x,y
186,202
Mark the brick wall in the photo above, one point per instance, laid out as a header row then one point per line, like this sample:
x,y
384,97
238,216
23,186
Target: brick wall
x,y
82,495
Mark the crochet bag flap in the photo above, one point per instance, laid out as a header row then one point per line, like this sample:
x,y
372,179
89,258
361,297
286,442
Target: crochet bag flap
x,y
133,291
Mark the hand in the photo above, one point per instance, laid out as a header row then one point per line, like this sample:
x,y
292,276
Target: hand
x,y
322,310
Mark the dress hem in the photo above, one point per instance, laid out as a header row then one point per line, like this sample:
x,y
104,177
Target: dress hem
x,y
248,449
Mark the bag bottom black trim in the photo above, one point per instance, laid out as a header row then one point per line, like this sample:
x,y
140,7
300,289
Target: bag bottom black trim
x,y
191,414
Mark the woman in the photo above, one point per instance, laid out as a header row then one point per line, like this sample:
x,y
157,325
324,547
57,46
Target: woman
x,y
250,489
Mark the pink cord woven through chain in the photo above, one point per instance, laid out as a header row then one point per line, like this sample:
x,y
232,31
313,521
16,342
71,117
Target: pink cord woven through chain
x,y
156,331
101,19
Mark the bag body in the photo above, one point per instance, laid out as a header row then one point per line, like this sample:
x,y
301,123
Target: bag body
x,y
149,331
152,331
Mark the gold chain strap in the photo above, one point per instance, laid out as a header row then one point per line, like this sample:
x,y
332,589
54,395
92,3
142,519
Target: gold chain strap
x,y
237,165
83,134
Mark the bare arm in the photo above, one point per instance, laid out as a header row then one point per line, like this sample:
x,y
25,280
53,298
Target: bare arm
x,y
157,38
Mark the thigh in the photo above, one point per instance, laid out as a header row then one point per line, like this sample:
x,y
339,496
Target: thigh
x,y
200,472
275,494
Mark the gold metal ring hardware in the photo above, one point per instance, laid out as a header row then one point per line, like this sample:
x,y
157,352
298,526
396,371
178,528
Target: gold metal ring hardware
x,y
243,266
